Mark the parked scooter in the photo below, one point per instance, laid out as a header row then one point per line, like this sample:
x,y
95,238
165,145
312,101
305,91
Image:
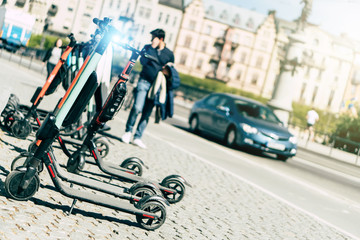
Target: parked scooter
x,y
172,187
23,182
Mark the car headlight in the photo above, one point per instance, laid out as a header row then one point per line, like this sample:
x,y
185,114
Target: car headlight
x,y
249,129
293,140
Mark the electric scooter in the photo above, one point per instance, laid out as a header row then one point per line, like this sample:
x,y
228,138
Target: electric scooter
x,y
23,182
172,187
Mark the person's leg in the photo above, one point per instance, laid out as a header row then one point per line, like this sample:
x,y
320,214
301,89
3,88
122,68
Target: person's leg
x,y
139,101
49,67
148,107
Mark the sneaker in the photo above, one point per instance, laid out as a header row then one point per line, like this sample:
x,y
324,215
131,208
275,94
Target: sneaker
x,y
126,137
139,143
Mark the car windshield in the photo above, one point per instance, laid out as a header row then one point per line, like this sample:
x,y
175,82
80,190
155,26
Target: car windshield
x,y
253,110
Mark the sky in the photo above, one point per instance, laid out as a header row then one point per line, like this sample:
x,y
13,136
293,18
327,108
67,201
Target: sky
x,y
333,16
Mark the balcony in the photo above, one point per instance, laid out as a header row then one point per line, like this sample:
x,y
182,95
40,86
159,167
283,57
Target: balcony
x,y
219,41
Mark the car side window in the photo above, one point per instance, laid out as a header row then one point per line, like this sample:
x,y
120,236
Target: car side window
x,y
212,101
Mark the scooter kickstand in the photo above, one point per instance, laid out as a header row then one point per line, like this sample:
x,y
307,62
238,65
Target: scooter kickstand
x,y
72,207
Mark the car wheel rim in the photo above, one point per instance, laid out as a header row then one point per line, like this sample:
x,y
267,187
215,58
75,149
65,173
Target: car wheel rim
x,y
231,137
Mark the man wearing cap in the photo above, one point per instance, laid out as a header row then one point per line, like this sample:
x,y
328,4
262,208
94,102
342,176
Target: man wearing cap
x,y
157,56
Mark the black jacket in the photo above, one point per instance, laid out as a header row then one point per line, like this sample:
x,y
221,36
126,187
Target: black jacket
x,y
151,68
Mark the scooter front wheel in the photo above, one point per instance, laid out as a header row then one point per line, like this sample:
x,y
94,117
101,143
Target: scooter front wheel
x,y
13,190
177,186
74,164
21,129
21,161
103,147
155,207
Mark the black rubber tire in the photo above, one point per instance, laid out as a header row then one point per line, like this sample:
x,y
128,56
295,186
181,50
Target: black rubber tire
x,y
12,183
194,124
153,207
73,165
143,192
177,185
134,166
21,129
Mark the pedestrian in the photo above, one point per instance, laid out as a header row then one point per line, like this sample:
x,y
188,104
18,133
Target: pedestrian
x,y
159,56
311,117
52,56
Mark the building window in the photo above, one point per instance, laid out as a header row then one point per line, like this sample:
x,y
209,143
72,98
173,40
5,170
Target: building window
x,y
302,91
208,30
221,33
236,19
250,23
199,64
87,15
160,16
119,4
210,11
331,98
224,15
259,61
254,79
111,3
70,9
147,13
187,42
243,57
167,19
307,74
238,74
204,46
314,94
183,58
174,22
65,27
319,75
141,11
170,37
192,25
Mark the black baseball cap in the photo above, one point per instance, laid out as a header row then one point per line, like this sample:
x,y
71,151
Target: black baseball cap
x,y
158,33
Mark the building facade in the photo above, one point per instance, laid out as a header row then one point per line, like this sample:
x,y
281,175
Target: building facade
x,y
227,43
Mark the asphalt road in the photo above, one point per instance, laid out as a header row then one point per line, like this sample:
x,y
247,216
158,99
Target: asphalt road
x,y
322,192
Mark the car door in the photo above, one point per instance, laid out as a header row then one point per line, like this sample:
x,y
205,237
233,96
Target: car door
x,y
221,116
205,117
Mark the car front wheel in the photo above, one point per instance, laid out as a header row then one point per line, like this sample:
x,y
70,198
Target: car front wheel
x,y
194,124
230,137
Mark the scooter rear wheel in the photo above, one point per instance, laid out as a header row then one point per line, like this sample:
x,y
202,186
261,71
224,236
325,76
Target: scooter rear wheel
x,y
134,166
12,183
153,207
176,185
21,129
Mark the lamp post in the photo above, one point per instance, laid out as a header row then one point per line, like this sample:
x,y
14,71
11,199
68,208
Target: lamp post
x,y
281,101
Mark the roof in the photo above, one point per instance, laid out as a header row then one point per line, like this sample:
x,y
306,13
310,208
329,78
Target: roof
x,y
233,15
178,4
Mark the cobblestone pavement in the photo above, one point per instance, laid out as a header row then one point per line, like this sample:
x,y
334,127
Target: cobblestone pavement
x,y
218,206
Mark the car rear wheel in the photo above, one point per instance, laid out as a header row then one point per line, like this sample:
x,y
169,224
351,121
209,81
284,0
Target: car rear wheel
x,y
194,124
230,137
282,157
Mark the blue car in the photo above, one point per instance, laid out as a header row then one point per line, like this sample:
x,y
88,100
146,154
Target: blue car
x,y
242,122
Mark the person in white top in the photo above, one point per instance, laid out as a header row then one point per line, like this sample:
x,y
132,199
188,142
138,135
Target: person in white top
x,y
311,117
52,56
